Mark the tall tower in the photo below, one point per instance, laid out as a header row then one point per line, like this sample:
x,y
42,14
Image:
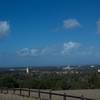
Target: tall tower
x,y
27,70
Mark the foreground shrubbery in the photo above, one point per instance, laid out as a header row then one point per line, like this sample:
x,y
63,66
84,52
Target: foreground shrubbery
x,y
51,81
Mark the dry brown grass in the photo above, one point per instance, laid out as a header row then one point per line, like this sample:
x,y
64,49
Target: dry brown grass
x,y
14,97
90,93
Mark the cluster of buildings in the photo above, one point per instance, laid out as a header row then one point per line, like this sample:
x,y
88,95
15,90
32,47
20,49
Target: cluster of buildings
x,y
58,70
66,69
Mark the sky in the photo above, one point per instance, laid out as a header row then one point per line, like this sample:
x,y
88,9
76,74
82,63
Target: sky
x,y
49,32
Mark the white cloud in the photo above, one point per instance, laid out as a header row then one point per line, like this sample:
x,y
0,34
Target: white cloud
x,y
71,23
23,52
34,52
69,47
48,50
98,26
28,52
4,28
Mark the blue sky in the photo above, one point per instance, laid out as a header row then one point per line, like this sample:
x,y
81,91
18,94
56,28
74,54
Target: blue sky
x,y
49,32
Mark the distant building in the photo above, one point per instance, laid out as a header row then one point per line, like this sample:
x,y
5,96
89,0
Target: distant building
x,y
67,68
92,66
98,70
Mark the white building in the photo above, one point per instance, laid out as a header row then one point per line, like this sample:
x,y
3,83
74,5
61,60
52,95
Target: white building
x,y
98,70
67,68
92,66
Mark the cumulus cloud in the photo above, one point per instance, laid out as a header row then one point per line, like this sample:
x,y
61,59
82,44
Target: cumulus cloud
x,y
4,28
69,47
71,23
98,26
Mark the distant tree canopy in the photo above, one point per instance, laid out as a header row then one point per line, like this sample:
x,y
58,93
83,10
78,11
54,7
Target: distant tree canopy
x,y
51,81
9,82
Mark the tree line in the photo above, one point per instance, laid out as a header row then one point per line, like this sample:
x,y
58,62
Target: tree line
x,y
51,81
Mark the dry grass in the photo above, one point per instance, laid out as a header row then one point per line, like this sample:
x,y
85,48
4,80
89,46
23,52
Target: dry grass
x,y
90,93
14,97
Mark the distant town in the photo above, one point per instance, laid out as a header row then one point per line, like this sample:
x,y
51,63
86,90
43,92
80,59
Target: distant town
x,y
72,69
